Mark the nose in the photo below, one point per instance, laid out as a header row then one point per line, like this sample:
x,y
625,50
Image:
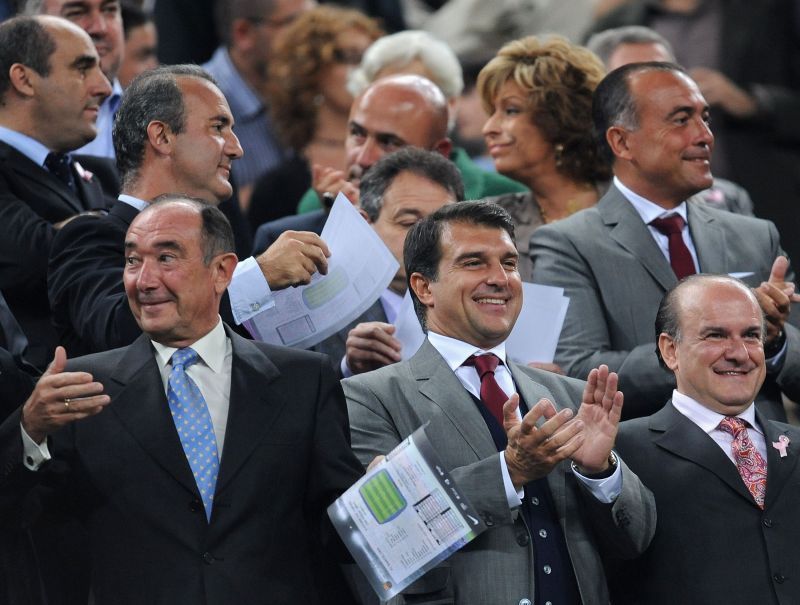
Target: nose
x,y
490,127
369,153
497,274
147,276
737,351
95,23
233,149
102,87
704,135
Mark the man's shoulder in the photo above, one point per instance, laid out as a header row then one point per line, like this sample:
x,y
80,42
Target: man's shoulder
x,y
267,233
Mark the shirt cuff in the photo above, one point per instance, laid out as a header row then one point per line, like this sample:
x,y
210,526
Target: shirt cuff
x,y
249,291
607,489
33,454
513,495
775,363
345,369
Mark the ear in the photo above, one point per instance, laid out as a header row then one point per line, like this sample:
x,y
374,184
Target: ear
x,y
445,146
242,37
22,79
617,138
668,349
422,288
160,136
223,267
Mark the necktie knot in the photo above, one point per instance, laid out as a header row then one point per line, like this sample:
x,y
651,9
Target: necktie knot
x,y
60,165
669,225
732,425
484,364
184,358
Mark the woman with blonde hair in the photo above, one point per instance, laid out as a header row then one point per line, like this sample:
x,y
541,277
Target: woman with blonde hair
x,y
538,94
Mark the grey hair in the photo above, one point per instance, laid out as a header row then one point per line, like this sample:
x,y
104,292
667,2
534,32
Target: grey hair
x,y
604,43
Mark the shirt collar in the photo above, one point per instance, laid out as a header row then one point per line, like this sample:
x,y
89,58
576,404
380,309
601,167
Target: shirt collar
x,y
243,100
27,146
647,209
456,352
132,201
707,419
210,348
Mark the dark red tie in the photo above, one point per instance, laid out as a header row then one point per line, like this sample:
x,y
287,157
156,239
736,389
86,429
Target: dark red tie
x,y
492,396
679,256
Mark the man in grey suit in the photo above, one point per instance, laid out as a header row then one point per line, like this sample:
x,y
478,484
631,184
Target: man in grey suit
x,y
615,264
399,190
724,476
508,436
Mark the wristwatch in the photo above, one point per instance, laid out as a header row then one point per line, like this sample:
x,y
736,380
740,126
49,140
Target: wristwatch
x,y
612,467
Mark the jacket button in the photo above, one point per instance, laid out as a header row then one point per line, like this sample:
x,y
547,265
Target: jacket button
x,y
523,539
196,506
208,558
767,522
778,578
524,602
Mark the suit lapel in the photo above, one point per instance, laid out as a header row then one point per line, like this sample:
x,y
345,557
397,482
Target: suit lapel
x,y
141,406
439,384
89,191
779,470
255,403
38,177
709,241
682,437
630,232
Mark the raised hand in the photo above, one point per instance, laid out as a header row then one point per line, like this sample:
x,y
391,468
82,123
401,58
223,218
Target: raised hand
x,y
60,398
600,411
775,297
293,258
372,345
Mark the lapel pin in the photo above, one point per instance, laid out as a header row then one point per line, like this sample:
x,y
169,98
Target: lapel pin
x,y
781,444
83,173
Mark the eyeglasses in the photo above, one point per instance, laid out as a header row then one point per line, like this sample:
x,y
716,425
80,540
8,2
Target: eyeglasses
x,y
348,56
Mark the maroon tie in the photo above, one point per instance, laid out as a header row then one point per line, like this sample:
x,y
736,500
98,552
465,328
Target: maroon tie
x,y
492,395
749,462
679,256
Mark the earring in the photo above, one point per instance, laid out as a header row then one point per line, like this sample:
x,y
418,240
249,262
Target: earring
x,y
559,152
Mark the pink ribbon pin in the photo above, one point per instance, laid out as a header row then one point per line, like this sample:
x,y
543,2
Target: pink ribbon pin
x,y
781,444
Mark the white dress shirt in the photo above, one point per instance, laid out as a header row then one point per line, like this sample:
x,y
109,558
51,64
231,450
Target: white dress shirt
x,y
708,420
455,353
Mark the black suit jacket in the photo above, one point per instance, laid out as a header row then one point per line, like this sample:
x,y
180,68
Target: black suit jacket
x,y
267,233
87,297
712,543
286,457
32,200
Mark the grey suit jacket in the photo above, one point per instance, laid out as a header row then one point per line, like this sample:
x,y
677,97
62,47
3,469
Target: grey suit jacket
x,y
712,544
615,276
386,405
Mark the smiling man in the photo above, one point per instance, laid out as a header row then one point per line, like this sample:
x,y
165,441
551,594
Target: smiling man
x,y
616,260
512,460
724,476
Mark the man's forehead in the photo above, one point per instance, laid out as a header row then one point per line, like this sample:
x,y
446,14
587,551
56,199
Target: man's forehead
x,y
653,87
410,192
203,99
58,6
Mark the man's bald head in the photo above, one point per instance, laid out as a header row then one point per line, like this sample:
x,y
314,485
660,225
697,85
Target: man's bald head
x,y
392,113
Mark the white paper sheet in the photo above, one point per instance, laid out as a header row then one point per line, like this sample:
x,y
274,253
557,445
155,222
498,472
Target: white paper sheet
x,y
404,516
360,268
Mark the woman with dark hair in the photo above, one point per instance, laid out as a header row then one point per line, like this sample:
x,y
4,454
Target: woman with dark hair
x,y
309,102
538,94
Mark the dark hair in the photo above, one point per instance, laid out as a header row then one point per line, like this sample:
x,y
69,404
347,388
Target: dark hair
x,y
24,40
421,162
216,234
604,43
227,11
153,95
613,104
422,249
133,16
668,319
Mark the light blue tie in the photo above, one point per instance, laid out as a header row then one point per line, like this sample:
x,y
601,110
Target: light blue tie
x,y
193,421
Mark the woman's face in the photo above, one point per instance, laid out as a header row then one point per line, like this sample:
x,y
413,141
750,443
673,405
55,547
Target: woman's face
x,y
350,47
516,144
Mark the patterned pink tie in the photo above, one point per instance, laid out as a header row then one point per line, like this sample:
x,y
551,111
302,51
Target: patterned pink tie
x,y
749,462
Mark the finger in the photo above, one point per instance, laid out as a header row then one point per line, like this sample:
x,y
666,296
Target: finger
x,y
77,391
553,423
615,413
564,433
611,391
84,404
59,362
779,268
510,412
368,349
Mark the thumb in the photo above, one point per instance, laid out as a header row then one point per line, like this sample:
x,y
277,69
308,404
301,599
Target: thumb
x,y
779,268
59,362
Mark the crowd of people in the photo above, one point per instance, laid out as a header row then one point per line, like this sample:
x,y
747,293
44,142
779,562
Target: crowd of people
x,y
640,155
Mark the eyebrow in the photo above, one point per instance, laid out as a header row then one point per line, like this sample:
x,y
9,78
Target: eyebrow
x,y
687,109
83,62
165,245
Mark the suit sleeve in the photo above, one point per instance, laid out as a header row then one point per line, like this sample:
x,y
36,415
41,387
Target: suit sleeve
x,y
85,284
585,342
374,433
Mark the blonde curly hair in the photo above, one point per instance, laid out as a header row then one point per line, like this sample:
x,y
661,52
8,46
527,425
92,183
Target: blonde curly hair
x,y
306,49
559,78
